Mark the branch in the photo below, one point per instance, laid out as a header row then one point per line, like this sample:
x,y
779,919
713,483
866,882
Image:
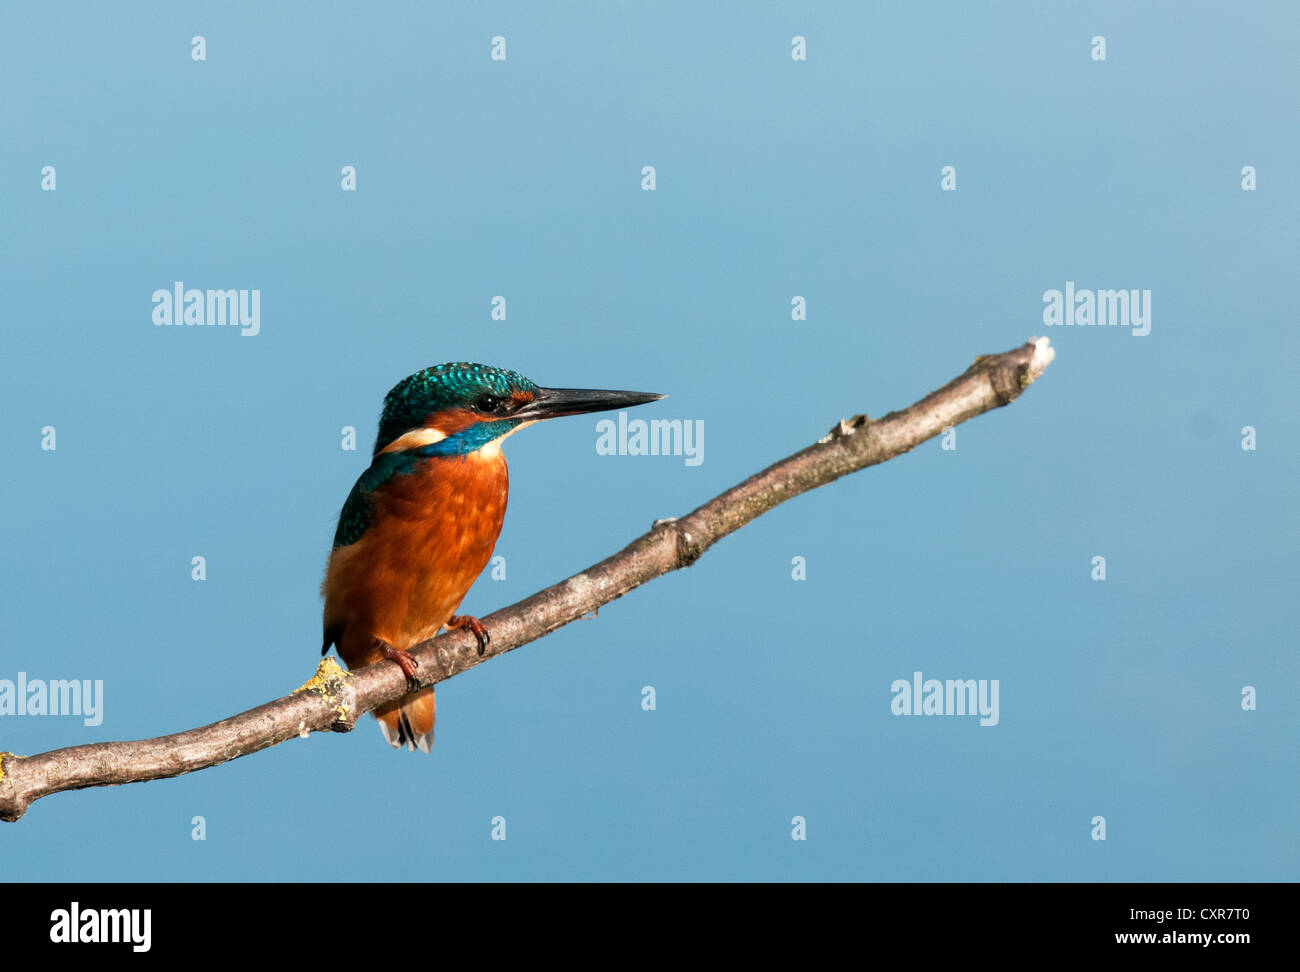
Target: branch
x,y
333,700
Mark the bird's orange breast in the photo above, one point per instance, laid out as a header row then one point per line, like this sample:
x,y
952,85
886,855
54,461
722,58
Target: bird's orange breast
x,y
431,535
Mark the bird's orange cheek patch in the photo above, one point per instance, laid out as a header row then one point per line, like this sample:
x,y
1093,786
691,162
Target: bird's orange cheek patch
x,y
451,421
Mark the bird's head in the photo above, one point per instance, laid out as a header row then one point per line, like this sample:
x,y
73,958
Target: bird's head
x,y
460,407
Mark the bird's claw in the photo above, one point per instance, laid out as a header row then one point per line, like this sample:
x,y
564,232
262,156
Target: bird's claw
x,y
404,661
475,625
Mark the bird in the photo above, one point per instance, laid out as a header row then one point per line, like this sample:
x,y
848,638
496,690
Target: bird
x,y
421,522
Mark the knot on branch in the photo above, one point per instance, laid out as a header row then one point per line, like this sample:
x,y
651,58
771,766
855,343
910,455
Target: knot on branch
x,y
1012,372
689,549
1008,383
845,427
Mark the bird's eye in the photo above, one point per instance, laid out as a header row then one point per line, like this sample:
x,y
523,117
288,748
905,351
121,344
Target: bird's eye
x,y
487,403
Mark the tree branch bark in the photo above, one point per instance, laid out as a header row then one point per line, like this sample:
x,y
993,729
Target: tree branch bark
x,y
334,700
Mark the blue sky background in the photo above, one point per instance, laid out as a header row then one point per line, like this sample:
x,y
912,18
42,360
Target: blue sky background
x,y
522,178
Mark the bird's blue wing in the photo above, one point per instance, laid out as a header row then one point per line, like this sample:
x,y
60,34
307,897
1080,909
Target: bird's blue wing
x,y
358,510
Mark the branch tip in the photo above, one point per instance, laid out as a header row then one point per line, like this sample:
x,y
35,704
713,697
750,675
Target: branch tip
x,y
1043,355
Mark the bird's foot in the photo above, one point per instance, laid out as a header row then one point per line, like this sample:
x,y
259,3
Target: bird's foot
x,y
405,662
457,621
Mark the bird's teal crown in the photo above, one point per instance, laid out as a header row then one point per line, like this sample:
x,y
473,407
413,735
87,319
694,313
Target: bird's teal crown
x,y
457,384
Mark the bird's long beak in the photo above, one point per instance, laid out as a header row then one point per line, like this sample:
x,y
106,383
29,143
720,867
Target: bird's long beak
x,y
554,402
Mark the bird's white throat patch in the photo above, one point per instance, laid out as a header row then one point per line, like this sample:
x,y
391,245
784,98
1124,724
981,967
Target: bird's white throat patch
x,y
414,439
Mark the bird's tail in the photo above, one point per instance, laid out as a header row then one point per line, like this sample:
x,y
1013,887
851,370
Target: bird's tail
x,y
409,721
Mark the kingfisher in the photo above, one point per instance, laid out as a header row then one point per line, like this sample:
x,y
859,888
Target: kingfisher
x,y
420,524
